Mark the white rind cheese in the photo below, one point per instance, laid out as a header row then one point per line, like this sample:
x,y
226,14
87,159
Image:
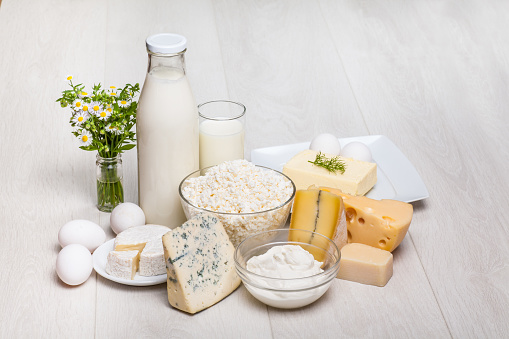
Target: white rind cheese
x,y
123,264
152,258
199,264
146,240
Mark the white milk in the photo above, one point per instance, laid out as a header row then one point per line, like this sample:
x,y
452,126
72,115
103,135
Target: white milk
x,y
220,141
167,133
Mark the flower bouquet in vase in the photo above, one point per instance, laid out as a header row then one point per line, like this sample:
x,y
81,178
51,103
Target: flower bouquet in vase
x,y
103,121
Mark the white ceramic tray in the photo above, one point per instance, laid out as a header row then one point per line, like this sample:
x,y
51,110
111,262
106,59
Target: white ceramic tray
x,y
397,177
100,257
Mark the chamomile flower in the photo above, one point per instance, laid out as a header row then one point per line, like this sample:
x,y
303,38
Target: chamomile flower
x,y
80,117
69,77
78,103
103,114
86,107
113,129
96,108
82,94
123,103
113,93
85,138
108,108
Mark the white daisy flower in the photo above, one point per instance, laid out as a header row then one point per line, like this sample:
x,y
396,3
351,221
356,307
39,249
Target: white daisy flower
x,y
80,117
113,129
86,107
85,138
123,103
82,95
113,93
95,108
78,103
103,114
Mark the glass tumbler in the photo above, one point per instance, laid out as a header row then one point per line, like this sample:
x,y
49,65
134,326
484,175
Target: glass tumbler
x,y
221,132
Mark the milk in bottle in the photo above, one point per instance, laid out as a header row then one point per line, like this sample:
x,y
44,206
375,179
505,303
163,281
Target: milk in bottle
x,y
167,131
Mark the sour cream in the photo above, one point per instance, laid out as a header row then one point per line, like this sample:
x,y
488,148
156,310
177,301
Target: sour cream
x,y
286,261
286,277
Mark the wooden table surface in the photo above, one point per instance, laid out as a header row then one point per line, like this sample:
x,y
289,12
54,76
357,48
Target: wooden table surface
x,y
432,76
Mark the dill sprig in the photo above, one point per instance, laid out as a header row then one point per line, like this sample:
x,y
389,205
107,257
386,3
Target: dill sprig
x,y
333,164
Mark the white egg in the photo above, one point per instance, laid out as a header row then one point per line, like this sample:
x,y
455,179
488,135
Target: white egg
x,y
357,150
325,143
82,232
126,215
74,264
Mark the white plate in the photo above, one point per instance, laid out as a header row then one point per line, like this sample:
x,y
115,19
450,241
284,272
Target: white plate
x,y
397,178
100,257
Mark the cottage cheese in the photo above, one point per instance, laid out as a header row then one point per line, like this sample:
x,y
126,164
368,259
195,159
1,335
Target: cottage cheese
x,y
239,187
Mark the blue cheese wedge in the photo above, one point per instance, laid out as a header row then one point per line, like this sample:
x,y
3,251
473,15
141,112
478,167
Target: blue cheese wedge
x,y
199,264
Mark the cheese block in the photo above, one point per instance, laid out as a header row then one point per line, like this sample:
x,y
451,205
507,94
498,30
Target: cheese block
x,y
377,223
365,264
147,241
199,264
359,176
318,211
123,264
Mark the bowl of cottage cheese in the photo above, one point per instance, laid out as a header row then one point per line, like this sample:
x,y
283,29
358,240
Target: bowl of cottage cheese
x,y
247,199
287,268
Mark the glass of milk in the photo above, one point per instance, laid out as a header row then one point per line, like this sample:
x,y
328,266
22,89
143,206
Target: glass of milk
x,y
221,132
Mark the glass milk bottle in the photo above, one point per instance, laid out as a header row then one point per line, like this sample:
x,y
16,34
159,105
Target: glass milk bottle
x,y
167,131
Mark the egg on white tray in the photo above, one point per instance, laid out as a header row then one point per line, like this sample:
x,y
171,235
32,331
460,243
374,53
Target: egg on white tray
x,y
126,215
74,264
358,151
82,232
325,143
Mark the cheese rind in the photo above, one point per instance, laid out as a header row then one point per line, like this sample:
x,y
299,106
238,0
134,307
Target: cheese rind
x,y
365,264
321,212
146,240
359,176
123,264
199,264
377,223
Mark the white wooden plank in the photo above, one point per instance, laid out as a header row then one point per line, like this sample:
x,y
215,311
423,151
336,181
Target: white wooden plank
x,y
430,68
280,62
45,179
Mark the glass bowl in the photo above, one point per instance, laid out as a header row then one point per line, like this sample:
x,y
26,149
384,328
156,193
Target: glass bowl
x,y
239,226
293,292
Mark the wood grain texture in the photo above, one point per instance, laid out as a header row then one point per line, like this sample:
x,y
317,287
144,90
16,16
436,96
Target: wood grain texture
x,y
432,76
433,62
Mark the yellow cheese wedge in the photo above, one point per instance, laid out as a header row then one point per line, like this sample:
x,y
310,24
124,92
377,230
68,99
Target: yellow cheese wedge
x,y
365,264
377,223
321,212
359,176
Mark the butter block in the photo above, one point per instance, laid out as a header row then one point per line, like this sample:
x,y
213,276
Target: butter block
x,y
321,212
359,176
378,223
365,264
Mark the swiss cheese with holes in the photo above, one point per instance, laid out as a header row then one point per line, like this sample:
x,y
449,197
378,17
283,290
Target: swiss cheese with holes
x,y
378,223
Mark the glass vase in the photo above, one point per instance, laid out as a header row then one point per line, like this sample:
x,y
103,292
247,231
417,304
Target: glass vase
x,y
110,191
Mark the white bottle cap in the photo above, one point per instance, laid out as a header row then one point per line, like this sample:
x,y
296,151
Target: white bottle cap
x,y
166,43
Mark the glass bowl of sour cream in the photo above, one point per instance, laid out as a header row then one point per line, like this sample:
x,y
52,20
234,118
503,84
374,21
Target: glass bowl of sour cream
x,y
287,268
